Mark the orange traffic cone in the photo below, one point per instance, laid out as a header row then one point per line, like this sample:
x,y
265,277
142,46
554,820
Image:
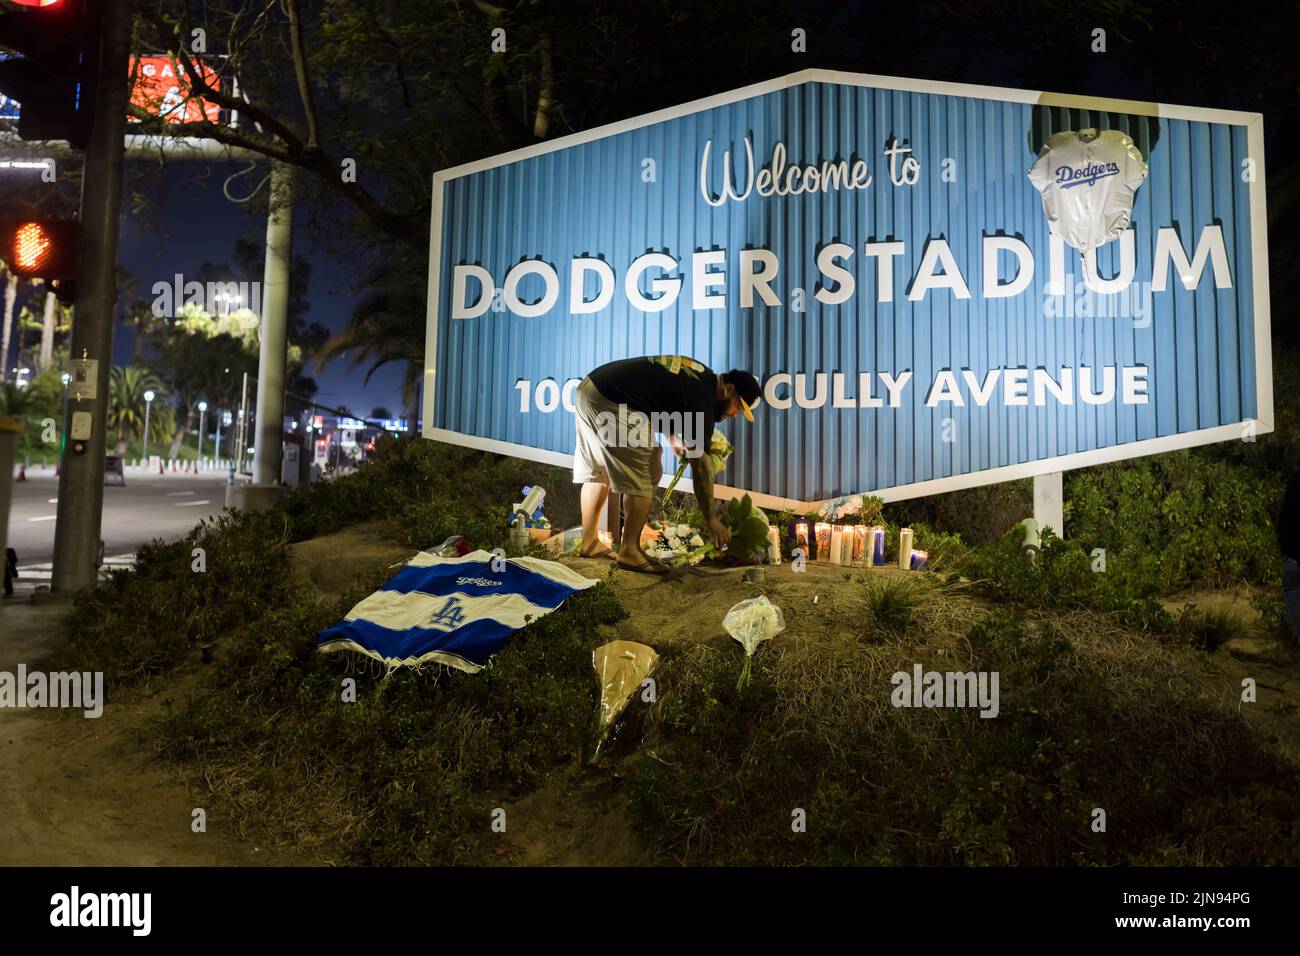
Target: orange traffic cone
x,y
22,472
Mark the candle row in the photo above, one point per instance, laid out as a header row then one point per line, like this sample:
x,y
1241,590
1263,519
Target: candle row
x,y
854,544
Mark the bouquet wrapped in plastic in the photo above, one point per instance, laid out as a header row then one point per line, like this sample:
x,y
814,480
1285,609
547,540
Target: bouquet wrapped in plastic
x,y
751,622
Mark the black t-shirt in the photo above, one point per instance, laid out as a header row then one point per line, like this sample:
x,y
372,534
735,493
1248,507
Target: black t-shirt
x,y
673,386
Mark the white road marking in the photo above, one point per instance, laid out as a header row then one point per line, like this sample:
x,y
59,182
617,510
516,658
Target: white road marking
x,y
191,504
178,494
54,501
44,518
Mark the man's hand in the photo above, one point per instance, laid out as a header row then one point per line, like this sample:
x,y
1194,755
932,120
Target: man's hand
x,y
720,533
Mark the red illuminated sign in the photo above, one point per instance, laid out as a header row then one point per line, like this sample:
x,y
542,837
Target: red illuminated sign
x,y
163,89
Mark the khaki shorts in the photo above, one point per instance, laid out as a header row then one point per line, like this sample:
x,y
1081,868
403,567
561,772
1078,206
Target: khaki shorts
x,y
615,446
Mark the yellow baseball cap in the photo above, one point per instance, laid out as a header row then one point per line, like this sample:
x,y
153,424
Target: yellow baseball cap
x,y
744,407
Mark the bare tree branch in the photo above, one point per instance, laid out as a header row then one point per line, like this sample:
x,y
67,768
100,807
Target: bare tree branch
x,y
300,71
546,97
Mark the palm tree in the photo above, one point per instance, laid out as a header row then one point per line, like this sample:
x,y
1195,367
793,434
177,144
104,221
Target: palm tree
x,y
33,404
126,406
387,325
11,294
53,327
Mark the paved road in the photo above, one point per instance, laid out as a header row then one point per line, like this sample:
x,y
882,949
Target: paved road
x,y
147,507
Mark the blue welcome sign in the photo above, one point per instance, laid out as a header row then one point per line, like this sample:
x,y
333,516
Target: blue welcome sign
x,y
937,285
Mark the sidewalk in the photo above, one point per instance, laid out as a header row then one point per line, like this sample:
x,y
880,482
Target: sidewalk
x,y
30,632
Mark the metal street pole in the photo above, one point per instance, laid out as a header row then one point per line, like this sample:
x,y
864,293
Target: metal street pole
x,y
241,432
148,404
268,440
203,414
81,481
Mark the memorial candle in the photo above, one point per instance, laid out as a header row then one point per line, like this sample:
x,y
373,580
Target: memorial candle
x,y
822,548
905,548
802,530
773,546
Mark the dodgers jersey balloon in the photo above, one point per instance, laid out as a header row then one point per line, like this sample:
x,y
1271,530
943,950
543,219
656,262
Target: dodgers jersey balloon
x,y
1087,179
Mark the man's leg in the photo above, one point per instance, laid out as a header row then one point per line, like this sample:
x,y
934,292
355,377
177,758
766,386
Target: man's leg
x,y
636,508
593,498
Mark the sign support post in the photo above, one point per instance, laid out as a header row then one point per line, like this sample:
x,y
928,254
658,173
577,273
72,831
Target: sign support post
x,y
1049,503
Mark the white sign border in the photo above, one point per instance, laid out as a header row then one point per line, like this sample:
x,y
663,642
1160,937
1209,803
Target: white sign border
x,y
1254,123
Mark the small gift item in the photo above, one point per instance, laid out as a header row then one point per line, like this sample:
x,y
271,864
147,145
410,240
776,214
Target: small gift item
x,y
822,550
877,556
904,548
837,544
918,560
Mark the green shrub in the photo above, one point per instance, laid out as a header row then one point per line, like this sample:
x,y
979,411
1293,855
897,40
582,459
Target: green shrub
x,y
1180,520
145,621
1209,628
1059,574
944,551
1273,620
891,601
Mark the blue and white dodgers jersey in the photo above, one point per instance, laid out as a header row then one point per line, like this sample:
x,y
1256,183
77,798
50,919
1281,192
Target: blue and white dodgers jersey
x,y
1088,180
453,611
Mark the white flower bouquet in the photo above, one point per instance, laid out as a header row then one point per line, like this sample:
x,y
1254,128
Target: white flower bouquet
x,y
675,544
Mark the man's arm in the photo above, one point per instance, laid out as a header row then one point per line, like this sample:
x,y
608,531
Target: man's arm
x,y
702,479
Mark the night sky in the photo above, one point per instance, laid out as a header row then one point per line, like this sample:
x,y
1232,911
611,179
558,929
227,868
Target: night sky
x,y
200,225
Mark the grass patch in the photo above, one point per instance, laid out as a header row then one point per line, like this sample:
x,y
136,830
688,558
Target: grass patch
x,y
890,602
1209,628
1101,718
411,771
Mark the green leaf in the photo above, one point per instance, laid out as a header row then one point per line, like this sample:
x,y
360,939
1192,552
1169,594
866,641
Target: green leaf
x,y
754,531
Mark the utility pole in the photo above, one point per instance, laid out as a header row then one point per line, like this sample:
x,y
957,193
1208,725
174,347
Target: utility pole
x,y
81,481
268,443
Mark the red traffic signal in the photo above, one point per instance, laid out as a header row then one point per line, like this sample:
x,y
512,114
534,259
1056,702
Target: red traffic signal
x,y
41,248
53,75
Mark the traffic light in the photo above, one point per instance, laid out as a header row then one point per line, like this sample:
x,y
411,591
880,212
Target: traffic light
x,y
53,74
43,249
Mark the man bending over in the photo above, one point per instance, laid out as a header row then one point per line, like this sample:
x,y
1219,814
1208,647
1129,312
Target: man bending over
x,y
620,408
